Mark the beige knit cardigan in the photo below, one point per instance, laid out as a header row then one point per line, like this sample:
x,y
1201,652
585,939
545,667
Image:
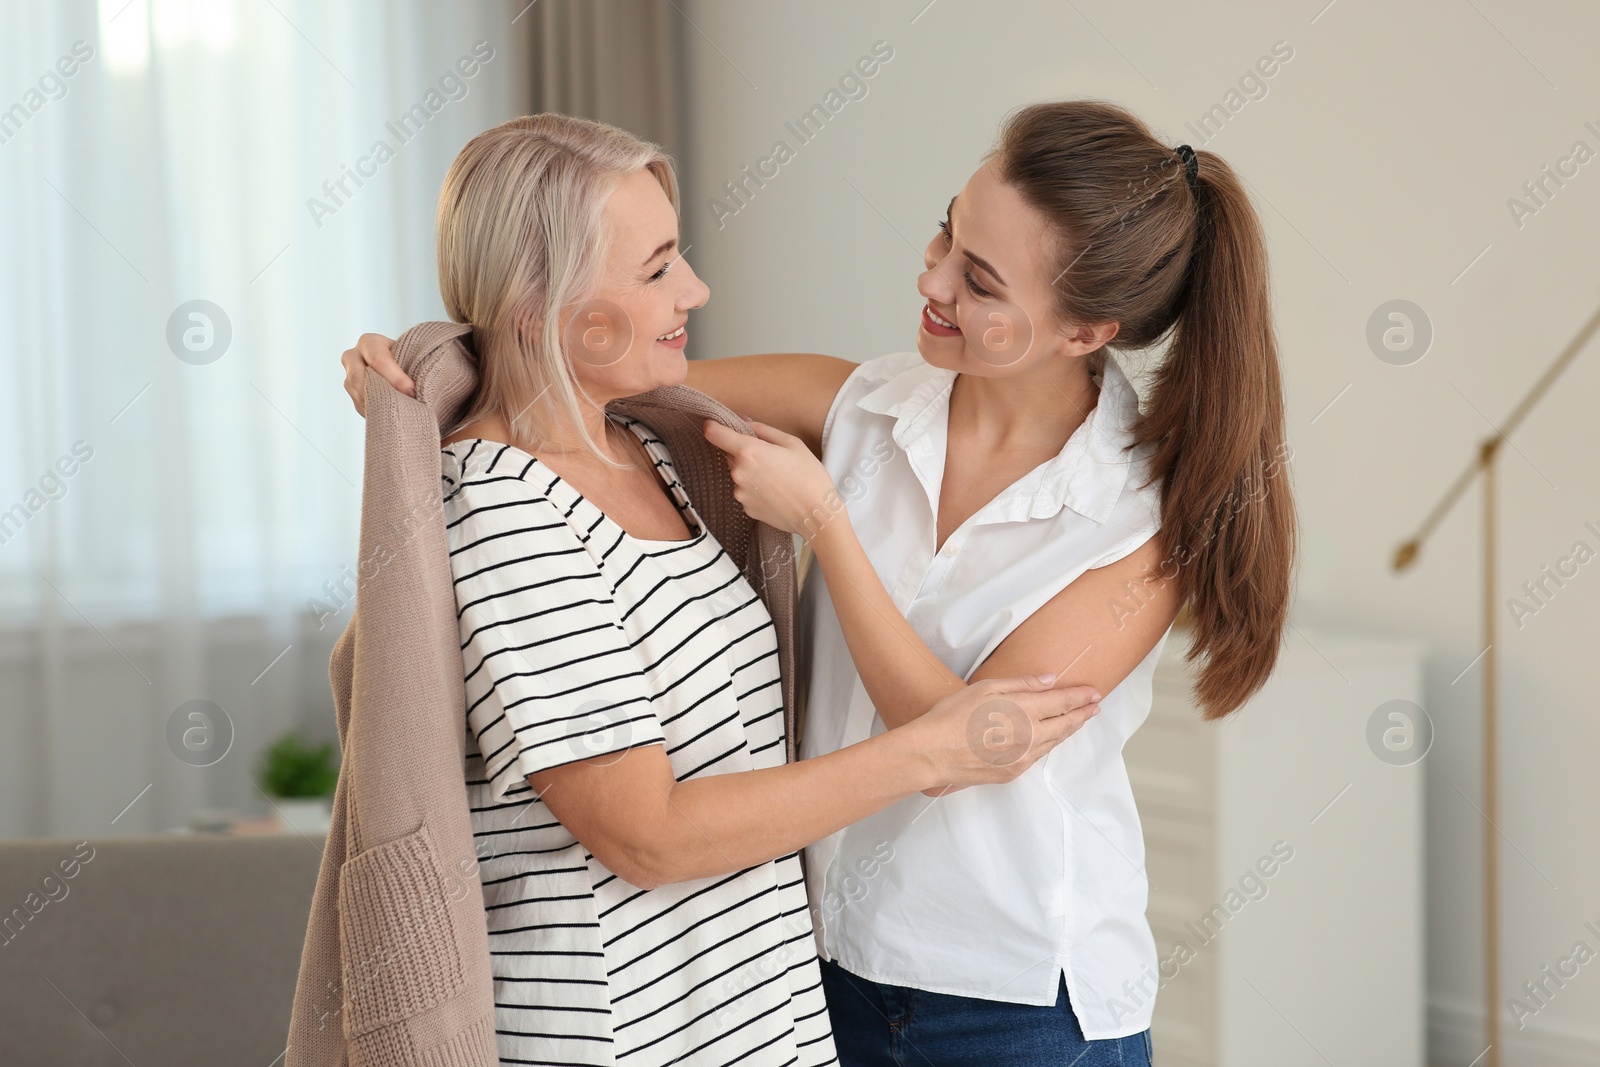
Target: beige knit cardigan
x,y
395,968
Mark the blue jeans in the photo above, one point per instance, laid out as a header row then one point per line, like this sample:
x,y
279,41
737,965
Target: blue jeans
x,y
877,1025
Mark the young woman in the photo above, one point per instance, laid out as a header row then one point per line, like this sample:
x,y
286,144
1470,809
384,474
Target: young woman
x,y
1018,512
642,885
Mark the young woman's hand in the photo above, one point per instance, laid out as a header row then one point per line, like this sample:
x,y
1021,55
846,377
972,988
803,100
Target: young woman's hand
x,y
376,351
994,730
777,478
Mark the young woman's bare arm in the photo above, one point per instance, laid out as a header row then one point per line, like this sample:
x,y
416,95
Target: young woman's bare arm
x,y
1075,635
1094,632
790,390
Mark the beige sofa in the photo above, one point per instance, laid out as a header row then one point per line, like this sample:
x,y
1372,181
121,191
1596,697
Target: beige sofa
x,y
176,950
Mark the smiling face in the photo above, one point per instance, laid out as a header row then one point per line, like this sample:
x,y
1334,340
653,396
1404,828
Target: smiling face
x,y
630,337
991,308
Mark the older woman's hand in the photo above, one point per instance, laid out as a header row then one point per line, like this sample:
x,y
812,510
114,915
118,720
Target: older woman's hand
x,y
994,730
777,478
376,351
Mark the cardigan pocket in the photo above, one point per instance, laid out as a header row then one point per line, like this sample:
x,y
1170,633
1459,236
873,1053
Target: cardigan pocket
x,y
399,954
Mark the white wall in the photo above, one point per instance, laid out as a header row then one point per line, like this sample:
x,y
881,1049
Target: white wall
x,y
1382,157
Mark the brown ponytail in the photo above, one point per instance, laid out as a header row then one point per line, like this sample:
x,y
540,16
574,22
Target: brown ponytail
x,y
1137,246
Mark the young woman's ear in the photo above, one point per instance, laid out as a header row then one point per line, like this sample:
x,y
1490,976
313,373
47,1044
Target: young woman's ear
x,y
1091,336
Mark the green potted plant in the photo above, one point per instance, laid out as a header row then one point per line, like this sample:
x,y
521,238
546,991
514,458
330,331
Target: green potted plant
x,y
300,777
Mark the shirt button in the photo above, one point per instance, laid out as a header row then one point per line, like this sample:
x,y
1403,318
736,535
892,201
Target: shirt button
x,y
949,548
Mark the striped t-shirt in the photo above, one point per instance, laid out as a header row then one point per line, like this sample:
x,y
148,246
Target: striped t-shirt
x,y
580,640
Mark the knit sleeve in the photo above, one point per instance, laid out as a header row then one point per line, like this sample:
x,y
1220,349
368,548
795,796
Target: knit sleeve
x,y
551,675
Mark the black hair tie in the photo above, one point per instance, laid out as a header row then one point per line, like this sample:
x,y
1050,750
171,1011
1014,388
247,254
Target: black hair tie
x,y
1191,166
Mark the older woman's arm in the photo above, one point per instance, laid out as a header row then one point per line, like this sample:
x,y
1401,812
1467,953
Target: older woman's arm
x,y
560,696
651,830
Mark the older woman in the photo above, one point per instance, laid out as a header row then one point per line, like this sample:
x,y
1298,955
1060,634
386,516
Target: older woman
x,y
644,894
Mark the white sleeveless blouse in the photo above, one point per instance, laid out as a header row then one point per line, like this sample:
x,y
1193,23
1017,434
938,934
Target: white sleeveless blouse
x,y
993,891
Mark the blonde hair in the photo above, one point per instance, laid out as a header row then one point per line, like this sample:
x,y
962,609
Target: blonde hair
x,y
521,239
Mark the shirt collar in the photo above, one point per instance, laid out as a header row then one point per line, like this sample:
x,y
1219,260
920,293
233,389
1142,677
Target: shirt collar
x,y
1087,475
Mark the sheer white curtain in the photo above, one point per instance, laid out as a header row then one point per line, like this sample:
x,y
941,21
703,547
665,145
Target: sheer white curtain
x,y
201,203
